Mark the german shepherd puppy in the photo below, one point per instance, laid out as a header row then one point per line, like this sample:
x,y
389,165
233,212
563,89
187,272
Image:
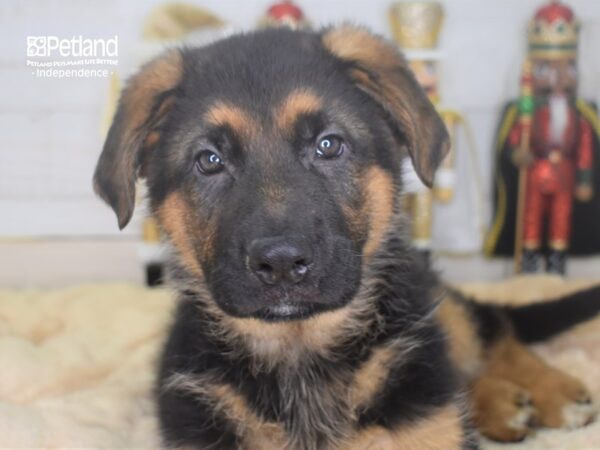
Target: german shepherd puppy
x,y
306,320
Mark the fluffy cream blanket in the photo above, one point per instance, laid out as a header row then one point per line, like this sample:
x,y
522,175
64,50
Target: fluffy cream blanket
x,y
76,365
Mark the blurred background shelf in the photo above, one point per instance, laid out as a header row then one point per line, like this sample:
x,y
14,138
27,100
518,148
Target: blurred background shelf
x,y
66,262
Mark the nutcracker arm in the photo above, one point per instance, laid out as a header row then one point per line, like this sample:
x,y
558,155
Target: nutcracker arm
x,y
514,137
585,151
517,155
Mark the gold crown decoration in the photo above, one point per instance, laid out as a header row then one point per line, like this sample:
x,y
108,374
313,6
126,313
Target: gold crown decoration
x,y
553,33
416,25
171,21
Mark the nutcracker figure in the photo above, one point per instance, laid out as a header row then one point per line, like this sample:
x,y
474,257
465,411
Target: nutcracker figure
x,y
416,27
547,174
284,14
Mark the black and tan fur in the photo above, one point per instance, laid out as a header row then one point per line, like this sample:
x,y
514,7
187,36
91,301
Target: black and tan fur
x,y
367,350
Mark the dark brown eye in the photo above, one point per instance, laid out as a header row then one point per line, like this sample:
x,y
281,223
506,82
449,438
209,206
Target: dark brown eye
x,y
329,147
209,162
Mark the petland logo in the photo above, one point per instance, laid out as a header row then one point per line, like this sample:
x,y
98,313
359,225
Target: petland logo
x,y
75,57
77,46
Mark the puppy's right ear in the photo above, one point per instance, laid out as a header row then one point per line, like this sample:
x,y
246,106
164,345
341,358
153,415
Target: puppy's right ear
x,y
379,70
144,103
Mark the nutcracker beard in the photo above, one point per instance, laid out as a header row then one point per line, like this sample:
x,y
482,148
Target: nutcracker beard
x,y
559,115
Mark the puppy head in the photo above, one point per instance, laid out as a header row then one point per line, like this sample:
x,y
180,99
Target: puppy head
x,y
273,162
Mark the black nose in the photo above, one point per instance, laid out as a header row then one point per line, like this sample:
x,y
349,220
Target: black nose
x,y
279,259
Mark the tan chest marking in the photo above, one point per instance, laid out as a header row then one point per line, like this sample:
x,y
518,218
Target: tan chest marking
x,y
369,378
273,343
255,432
442,430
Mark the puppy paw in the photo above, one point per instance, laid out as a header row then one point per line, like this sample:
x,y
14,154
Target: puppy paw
x,y
502,411
579,414
563,402
524,416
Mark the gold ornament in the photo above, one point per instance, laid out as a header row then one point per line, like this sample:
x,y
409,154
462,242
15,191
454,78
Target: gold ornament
x,y
173,21
416,25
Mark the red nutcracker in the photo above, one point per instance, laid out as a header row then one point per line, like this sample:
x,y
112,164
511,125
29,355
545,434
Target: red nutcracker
x,y
549,137
284,14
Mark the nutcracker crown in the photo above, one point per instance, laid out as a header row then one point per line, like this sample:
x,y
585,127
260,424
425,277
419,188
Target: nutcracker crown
x,y
416,25
553,33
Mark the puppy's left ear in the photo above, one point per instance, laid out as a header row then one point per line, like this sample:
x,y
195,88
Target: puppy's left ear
x,y
378,68
144,103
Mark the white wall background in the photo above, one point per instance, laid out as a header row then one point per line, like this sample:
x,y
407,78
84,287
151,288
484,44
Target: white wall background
x,y
50,128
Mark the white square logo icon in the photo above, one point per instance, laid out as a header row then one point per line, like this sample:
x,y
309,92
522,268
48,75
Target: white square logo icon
x,y
36,46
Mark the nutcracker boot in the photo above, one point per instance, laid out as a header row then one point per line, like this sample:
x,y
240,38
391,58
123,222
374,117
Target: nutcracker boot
x,y
530,261
556,262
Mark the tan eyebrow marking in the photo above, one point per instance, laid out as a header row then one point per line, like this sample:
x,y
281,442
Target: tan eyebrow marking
x,y
236,118
299,102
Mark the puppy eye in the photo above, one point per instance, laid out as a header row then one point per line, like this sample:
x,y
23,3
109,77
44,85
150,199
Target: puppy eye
x,y
209,162
330,147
